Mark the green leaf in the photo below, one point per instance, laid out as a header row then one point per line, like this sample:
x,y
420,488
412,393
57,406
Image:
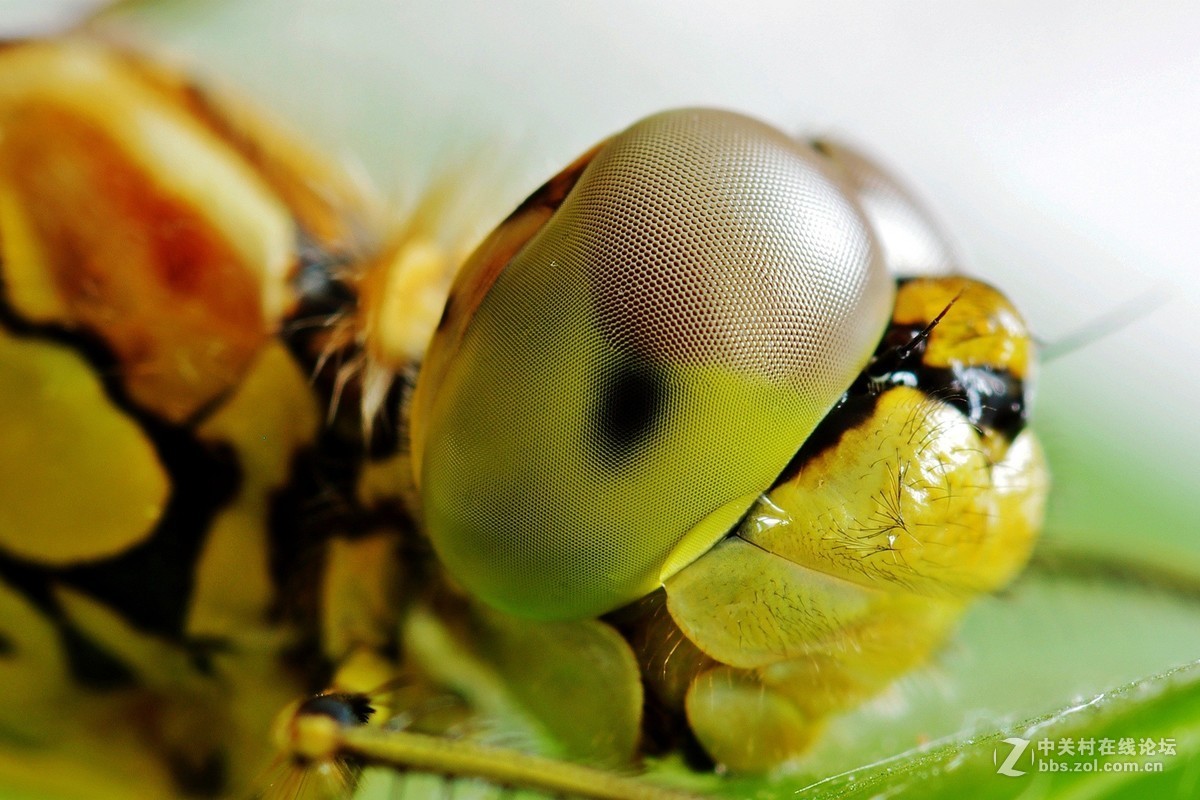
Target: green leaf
x,y
1054,659
1163,708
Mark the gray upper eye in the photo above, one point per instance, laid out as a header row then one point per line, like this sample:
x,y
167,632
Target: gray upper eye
x,y
911,242
709,237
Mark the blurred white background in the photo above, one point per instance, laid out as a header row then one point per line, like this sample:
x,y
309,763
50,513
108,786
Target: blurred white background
x,y
1056,141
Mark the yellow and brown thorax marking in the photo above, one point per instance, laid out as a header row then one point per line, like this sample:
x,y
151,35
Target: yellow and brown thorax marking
x,y
178,508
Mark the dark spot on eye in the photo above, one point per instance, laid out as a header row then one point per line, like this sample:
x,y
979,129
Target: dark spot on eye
x,y
631,399
345,709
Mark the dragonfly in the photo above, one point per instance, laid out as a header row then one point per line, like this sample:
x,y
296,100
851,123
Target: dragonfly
x,y
705,444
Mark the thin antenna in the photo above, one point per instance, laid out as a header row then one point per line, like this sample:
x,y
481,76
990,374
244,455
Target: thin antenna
x,y
1083,564
1107,323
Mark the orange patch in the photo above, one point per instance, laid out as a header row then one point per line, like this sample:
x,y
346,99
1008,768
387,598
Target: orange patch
x,y
133,264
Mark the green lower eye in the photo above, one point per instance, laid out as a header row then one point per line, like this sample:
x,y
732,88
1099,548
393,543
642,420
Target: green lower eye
x,y
706,282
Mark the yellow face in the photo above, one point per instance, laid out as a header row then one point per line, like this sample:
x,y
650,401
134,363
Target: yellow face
x,y
639,369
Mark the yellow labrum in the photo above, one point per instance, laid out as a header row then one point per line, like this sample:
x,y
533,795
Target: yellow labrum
x,y
907,499
78,478
980,329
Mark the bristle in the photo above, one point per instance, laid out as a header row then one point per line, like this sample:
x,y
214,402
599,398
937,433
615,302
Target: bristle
x,y
403,289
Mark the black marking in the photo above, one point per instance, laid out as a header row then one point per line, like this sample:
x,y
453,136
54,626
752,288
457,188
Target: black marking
x,y
200,774
446,316
319,501
388,436
151,583
321,283
822,146
631,398
91,665
851,411
201,651
665,728
904,345
316,504
992,399
7,648
327,295
347,710
551,194
666,731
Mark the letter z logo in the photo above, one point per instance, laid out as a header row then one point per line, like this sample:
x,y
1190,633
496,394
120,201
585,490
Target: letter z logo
x,y
1018,749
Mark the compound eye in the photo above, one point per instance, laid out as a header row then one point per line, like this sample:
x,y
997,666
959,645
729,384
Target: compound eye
x,y
912,243
608,395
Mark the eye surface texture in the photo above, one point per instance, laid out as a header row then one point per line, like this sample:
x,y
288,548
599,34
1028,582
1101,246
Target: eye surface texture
x,y
646,364
911,241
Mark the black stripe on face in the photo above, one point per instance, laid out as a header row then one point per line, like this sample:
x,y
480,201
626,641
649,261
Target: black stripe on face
x,y
347,710
850,412
992,399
